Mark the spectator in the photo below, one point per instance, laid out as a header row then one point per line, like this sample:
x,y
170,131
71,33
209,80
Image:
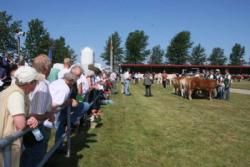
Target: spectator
x,y
211,75
60,92
164,79
13,69
227,82
113,79
3,74
83,85
53,75
122,84
147,83
95,95
221,86
127,78
40,108
79,107
66,67
13,110
136,78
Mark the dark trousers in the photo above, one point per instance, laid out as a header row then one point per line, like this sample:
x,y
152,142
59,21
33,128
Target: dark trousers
x,y
148,90
33,154
164,83
227,93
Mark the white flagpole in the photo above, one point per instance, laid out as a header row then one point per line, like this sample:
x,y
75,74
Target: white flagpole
x,y
111,54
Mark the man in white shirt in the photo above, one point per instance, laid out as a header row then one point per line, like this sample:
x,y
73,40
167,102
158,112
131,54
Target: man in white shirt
x,y
79,108
60,92
40,108
127,79
83,85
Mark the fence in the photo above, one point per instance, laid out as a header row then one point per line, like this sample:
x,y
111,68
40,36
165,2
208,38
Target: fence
x,y
5,143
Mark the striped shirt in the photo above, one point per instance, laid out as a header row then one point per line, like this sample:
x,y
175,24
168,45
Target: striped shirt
x,y
40,98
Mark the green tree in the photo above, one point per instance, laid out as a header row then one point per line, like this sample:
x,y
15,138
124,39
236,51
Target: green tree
x,y
156,55
117,50
236,56
198,55
8,30
177,51
217,57
60,50
37,39
136,44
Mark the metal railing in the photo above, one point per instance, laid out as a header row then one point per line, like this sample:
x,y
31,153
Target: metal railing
x,y
5,146
5,143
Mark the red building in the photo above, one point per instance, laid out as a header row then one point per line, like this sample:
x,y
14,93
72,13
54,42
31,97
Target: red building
x,y
170,68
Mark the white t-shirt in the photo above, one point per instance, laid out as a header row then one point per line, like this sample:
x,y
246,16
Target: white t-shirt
x,y
126,75
19,106
62,72
98,81
228,76
85,84
59,91
113,76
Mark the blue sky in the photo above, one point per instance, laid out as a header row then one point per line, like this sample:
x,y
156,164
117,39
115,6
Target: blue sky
x,y
212,23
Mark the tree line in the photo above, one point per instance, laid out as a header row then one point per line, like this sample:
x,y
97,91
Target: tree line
x,y
181,49
37,40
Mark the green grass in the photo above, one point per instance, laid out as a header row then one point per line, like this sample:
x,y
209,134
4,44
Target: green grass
x,y
243,84
165,130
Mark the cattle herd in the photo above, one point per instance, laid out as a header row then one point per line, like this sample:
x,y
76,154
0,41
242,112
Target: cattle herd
x,y
208,84
187,86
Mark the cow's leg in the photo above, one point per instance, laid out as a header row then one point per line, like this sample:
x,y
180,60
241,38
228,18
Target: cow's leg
x,y
190,94
210,94
182,92
178,91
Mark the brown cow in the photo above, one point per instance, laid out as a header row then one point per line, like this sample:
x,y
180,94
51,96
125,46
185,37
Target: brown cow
x,y
176,85
180,85
201,84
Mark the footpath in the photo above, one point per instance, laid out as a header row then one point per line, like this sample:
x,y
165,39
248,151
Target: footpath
x,y
241,91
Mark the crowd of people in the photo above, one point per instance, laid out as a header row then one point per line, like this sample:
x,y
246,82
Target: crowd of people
x,y
38,97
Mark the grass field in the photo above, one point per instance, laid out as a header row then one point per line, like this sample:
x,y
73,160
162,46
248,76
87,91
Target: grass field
x,y
165,131
243,84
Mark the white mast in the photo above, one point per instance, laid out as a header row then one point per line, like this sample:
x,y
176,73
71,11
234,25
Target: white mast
x,y
111,54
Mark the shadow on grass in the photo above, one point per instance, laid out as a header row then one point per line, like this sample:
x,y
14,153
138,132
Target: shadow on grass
x,y
197,95
79,141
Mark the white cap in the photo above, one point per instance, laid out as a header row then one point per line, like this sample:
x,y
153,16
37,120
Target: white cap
x,y
90,73
26,74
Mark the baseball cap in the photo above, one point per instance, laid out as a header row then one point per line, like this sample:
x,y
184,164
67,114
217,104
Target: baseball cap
x,y
26,74
90,73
